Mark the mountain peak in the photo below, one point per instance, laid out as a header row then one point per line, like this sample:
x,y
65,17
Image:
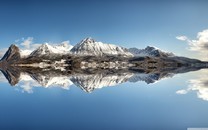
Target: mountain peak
x,y
89,46
150,51
12,54
46,49
41,50
88,40
151,47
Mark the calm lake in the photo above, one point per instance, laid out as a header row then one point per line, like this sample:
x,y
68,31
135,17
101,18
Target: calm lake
x,y
174,103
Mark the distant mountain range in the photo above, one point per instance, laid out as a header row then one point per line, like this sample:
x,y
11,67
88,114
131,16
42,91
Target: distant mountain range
x,y
91,47
150,51
91,65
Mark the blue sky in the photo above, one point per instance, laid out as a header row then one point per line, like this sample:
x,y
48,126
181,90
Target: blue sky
x,y
127,23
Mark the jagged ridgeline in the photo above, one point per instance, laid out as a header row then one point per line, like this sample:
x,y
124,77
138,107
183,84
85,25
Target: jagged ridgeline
x,y
91,64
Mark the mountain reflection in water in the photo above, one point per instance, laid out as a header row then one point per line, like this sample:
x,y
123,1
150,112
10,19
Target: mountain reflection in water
x,y
91,79
47,67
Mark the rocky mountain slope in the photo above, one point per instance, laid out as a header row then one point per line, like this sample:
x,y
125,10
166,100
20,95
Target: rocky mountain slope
x,y
150,51
91,65
47,50
89,46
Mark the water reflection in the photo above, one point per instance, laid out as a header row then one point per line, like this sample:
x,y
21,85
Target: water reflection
x,y
26,78
200,85
42,68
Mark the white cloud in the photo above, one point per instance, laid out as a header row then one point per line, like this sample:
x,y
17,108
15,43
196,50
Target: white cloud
x,y
200,44
200,85
65,42
182,38
27,86
27,42
182,91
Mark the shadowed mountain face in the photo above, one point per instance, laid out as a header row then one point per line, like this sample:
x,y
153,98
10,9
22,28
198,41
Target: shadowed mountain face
x,y
92,65
12,55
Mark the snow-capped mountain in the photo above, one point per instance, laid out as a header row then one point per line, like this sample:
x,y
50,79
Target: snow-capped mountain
x,y
28,82
49,81
46,49
25,53
89,82
49,67
89,46
150,51
12,54
148,78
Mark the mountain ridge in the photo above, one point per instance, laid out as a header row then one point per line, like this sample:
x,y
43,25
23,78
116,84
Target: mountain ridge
x,y
150,51
89,46
47,49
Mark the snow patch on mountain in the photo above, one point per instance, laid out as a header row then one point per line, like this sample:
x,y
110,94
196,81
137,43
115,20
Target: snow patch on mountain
x,y
25,53
46,49
89,46
150,51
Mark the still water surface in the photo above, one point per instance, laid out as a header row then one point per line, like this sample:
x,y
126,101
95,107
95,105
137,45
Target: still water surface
x,y
175,103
